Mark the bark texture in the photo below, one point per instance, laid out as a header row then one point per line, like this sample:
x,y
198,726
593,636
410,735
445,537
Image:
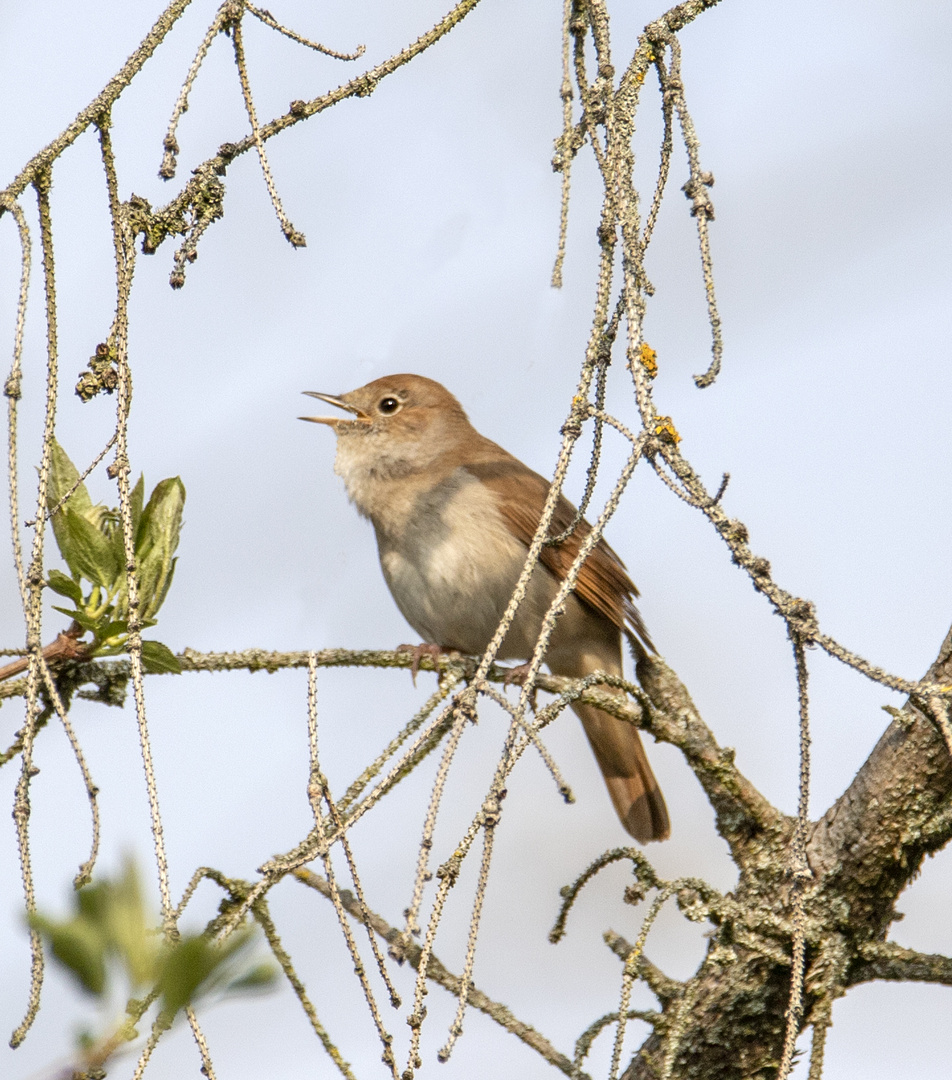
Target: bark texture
x,y
729,1020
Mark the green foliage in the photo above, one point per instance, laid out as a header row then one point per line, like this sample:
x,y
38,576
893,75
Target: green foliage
x,y
90,539
110,932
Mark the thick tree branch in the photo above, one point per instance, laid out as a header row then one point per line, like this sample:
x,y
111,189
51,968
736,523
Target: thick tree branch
x,y
869,845
745,819
886,960
864,851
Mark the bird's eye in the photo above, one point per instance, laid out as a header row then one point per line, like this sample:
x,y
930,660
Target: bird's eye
x,y
388,406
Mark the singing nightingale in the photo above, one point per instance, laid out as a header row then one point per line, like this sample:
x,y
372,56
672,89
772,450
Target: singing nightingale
x,y
454,516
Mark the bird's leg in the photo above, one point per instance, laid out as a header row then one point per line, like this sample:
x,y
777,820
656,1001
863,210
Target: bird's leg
x,y
518,675
425,648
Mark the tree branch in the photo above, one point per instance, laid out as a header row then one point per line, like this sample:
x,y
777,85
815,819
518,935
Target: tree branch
x,y
401,949
744,817
869,845
204,193
65,647
862,853
664,988
100,104
886,960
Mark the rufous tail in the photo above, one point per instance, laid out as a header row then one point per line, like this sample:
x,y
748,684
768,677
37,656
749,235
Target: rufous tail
x,y
631,784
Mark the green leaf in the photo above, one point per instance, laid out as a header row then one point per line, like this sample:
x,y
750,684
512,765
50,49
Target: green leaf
x,y
88,551
79,946
136,497
109,924
164,586
106,630
63,475
148,572
259,977
81,617
103,651
91,903
162,518
128,927
196,966
115,909
158,659
116,542
110,927
156,543
188,964
65,586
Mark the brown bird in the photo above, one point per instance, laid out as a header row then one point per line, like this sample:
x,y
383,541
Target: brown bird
x,y
454,516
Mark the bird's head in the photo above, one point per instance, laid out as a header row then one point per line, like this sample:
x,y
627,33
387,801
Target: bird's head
x,y
396,425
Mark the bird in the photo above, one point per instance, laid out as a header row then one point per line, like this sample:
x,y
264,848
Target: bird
x,y
454,515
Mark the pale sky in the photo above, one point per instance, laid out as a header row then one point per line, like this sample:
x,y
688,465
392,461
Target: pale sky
x,y
431,215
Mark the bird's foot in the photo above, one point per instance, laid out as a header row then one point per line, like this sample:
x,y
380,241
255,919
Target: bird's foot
x,y
425,648
518,675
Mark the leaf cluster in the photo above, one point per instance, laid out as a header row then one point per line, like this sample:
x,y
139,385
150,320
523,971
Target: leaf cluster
x,y
110,932
90,539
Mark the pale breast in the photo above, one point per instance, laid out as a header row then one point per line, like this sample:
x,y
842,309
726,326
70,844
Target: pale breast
x,y
452,569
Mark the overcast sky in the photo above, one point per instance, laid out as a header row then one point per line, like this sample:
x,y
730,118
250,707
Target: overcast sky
x,y
431,213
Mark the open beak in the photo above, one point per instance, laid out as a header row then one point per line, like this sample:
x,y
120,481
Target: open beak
x,y
360,417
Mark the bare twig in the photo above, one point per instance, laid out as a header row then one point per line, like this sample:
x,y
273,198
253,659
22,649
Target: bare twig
x,y
295,238
41,162
412,953
662,986
200,201
269,20
170,142
800,870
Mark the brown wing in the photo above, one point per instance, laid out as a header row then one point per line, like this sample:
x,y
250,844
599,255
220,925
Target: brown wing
x,y
603,582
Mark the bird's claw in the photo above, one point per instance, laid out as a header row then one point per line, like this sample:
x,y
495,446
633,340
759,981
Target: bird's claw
x,y
518,675
425,648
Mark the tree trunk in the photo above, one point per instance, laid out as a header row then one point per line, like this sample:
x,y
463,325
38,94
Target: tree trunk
x,y
862,853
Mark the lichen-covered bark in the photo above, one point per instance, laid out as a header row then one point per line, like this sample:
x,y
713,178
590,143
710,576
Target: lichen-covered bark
x,y
863,852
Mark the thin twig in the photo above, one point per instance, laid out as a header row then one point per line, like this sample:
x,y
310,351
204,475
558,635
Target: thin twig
x,y
295,238
103,101
170,142
630,973
33,608
462,712
269,20
263,917
81,479
13,389
437,972
800,868
566,146
85,872
201,198
490,820
317,790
